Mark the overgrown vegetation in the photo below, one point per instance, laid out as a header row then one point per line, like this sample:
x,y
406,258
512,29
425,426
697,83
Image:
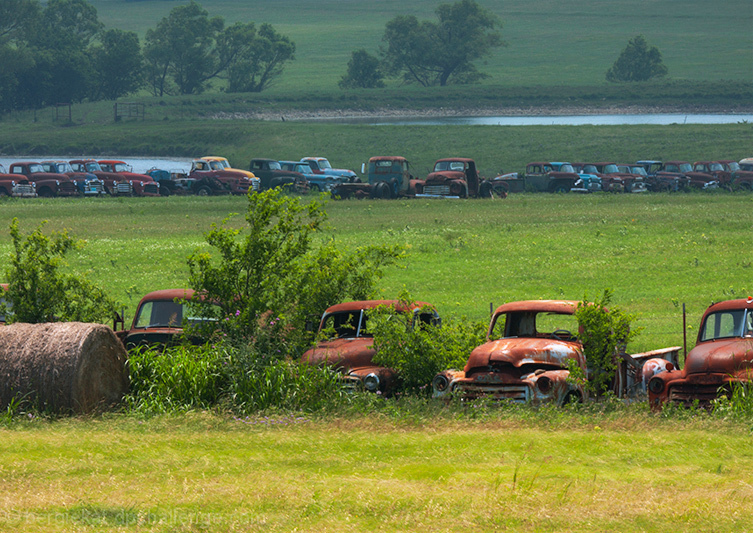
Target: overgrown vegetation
x,y
39,288
418,350
267,279
606,330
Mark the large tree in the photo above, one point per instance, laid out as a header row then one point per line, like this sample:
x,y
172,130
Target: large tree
x,y
260,59
637,62
188,49
442,52
119,64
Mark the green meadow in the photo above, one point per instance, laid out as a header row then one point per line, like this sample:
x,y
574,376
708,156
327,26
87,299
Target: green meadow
x,y
655,251
550,43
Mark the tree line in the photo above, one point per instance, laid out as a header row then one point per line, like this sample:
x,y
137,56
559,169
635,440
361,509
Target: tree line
x,y
62,53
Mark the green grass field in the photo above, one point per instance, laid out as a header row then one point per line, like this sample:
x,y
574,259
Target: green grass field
x,y
655,251
616,472
550,43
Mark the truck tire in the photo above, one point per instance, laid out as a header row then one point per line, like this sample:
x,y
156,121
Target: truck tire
x,y
485,190
382,190
45,192
203,191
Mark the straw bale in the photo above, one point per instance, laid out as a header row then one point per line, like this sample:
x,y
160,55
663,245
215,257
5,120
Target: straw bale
x,y
64,367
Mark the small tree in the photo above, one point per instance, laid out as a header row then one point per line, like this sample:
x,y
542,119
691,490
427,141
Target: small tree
x,y
417,352
272,275
605,330
364,72
637,62
37,289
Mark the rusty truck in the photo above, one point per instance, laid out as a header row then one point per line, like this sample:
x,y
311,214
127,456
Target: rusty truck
x,y
721,358
348,343
458,177
531,347
389,177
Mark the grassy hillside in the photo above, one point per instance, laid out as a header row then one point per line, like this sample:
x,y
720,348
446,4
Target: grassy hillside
x,y
550,42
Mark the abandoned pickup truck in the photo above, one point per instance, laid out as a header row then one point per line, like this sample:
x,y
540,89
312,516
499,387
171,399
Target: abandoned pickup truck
x,y
458,177
142,184
47,184
272,174
722,357
87,183
15,186
236,181
321,165
115,183
349,348
389,177
160,318
530,345
177,182
542,177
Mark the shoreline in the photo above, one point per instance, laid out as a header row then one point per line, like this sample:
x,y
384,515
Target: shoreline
x,y
436,112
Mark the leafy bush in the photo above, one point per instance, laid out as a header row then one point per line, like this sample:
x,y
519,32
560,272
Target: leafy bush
x,y
418,352
39,290
271,276
178,379
604,331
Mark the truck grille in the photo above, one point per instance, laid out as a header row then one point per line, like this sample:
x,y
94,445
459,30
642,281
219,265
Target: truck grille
x,y
439,190
123,188
93,188
515,392
24,189
151,188
687,393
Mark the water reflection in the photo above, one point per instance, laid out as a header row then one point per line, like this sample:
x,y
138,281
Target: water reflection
x,y
549,120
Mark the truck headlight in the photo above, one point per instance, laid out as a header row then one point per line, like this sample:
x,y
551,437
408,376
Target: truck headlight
x,y
656,385
440,382
371,382
544,384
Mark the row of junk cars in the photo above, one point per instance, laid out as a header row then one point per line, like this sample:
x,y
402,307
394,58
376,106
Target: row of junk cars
x,y
383,177
531,347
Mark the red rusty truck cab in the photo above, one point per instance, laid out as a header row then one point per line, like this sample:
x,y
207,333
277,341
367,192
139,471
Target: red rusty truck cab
x,y
722,357
160,318
349,346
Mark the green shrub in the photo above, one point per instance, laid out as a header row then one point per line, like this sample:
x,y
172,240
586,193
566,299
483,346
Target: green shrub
x,y
417,354
604,331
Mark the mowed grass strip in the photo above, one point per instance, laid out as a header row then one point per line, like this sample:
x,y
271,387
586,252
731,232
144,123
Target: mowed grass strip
x,y
211,473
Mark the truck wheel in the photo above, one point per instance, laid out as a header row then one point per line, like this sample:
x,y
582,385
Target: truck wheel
x,y
164,191
3,192
560,188
382,190
485,190
45,192
203,191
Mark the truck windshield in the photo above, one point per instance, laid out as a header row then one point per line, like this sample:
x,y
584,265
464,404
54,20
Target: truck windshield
x,y
534,324
346,324
166,314
726,324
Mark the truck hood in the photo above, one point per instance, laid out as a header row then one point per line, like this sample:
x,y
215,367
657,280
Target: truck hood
x,y
723,356
523,351
341,353
445,175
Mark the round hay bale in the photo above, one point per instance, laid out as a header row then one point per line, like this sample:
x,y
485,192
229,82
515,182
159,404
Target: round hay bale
x,y
63,367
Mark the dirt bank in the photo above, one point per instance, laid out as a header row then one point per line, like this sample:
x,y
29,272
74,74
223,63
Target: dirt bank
x,y
328,114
